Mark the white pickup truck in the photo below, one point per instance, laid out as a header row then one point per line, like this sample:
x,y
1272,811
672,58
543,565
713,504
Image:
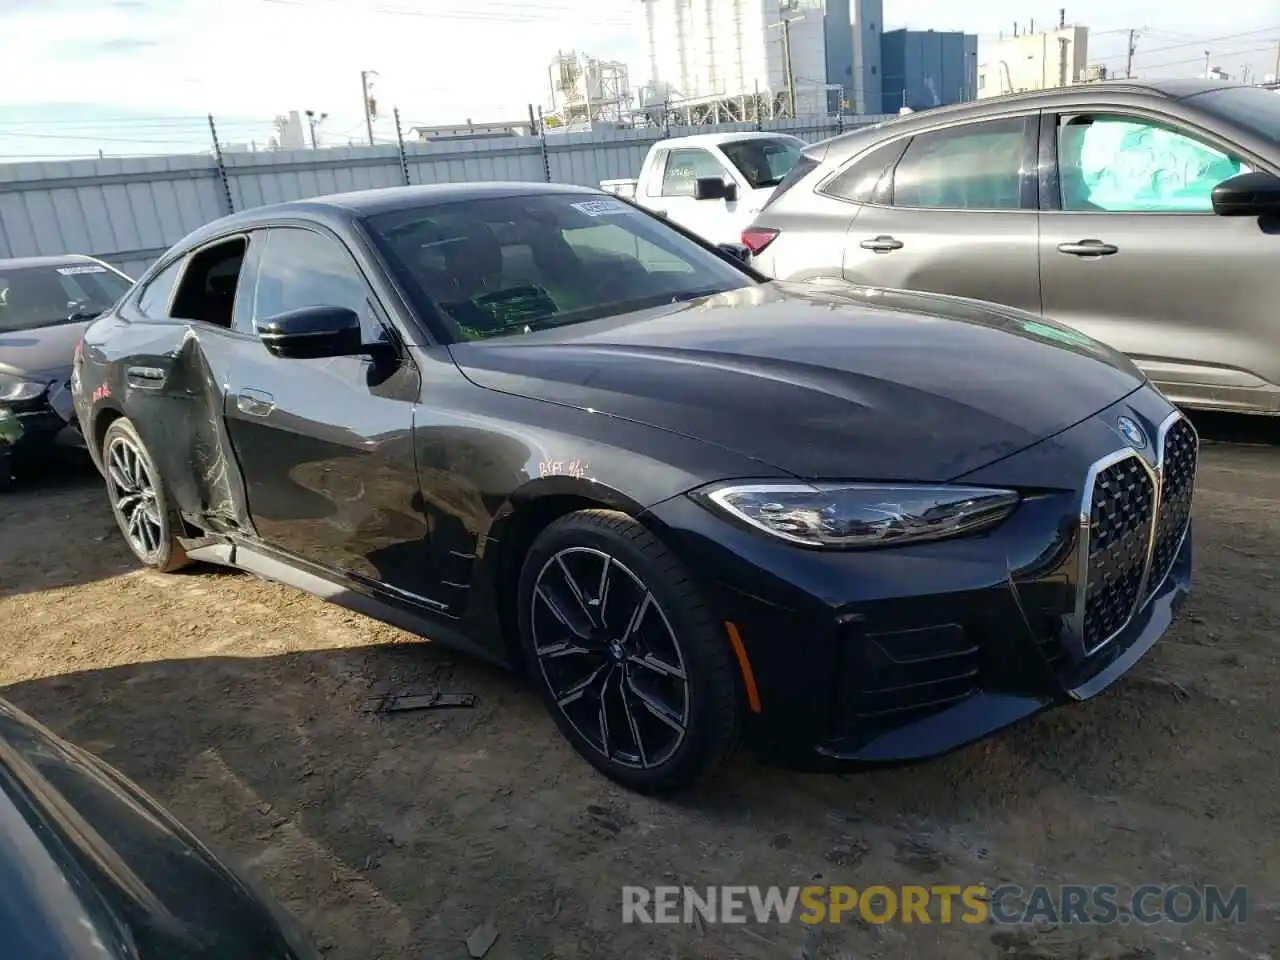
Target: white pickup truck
x,y
714,183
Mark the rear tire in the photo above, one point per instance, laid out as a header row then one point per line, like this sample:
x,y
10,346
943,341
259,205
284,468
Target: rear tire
x,y
140,500
628,659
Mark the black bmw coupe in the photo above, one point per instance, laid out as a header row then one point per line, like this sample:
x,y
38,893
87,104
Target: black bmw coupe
x,y
852,525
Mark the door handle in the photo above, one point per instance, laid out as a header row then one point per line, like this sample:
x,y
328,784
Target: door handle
x,y
881,244
255,403
146,378
1088,248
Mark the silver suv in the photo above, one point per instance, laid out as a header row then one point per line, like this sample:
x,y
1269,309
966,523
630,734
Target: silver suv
x,y
1146,215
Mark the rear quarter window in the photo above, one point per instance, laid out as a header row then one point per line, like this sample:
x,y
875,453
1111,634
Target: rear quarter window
x,y
802,168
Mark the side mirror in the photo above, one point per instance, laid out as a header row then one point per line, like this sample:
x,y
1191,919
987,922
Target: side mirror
x,y
312,332
1247,195
739,251
714,188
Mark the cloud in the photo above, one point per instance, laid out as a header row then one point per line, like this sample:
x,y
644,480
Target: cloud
x,y
101,49
439,60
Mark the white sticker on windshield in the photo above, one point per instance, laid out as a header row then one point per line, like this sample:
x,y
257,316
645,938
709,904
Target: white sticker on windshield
x,y
601,208
83,268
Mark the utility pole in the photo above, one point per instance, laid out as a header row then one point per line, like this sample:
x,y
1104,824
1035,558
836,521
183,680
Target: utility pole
x,y
370,106
1206,64
1276,76
312,123
786,7
1133,48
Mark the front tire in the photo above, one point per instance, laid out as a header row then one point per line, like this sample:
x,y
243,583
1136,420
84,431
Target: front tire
x,y
625,654
139,499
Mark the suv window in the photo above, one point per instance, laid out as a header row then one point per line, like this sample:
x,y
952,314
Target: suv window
x,y
301,268
977,166
154,301
1126,164
859,181
687,167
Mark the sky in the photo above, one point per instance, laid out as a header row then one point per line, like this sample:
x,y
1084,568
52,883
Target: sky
x,y
141,76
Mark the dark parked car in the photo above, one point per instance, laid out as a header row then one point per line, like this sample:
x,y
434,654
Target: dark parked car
x,y
546,426
91,867
45,305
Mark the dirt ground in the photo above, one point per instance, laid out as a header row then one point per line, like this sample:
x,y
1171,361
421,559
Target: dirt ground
x,y
237,703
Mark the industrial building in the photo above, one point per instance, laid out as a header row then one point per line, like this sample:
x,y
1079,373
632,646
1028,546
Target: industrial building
x,y
1034,61
734,57
925,68
725,60
587,90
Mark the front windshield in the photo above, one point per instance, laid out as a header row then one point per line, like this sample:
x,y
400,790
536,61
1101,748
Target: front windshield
x,y
1252,108
41,296
764,162
511,265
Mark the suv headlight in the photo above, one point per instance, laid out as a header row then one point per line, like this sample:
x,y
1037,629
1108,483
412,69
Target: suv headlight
x,y
15,391
861,515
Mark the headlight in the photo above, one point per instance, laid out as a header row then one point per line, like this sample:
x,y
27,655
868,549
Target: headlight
x,y
15,391
861,515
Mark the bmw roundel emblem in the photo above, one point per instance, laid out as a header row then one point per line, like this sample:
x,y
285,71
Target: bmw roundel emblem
x,y
1131,432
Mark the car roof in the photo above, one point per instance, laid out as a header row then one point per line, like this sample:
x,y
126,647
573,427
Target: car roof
x,y
364,203
359,204
1175,89
1168,90
54,260
715,139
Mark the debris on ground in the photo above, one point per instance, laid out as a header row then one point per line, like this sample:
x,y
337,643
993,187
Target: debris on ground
x,y
481,940
420,701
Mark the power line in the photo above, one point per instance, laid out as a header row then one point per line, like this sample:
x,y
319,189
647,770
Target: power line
x,y
522,13
1200,59
161,122
1196,43
92,137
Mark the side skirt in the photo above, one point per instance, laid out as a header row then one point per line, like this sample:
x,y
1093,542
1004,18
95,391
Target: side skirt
x,y
267,564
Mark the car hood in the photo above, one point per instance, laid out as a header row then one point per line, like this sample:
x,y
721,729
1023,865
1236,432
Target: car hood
x,y
823,379
93,868
42,353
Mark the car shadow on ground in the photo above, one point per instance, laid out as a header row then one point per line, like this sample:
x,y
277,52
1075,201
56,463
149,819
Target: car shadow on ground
x,y
63,499
406,830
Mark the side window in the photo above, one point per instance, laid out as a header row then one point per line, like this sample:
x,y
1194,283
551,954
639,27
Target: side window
x,y
653,187
302,268
977,166
154,301
859,182
207,293
687,167
1124,164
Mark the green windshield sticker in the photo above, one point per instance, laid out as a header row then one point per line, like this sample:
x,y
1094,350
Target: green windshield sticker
x,y
1058,333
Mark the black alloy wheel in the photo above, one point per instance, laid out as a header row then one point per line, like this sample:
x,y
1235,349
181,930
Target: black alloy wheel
x,y
629,661
139,501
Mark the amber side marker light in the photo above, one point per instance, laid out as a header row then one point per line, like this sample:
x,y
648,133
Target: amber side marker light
x,y
748,676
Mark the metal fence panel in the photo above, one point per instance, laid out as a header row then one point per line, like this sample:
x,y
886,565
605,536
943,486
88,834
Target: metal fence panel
x,y
128,211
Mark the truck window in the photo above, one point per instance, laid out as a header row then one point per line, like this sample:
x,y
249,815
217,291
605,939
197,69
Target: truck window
x,y
685,168
764,163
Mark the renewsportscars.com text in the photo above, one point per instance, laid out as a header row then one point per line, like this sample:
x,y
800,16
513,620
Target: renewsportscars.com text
x,y
973,904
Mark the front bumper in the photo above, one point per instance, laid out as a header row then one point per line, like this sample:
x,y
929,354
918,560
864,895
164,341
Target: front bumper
x,y
889,656
37,428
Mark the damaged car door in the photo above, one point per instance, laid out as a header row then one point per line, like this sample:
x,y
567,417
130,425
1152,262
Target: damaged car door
x,y
320,410
175,343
